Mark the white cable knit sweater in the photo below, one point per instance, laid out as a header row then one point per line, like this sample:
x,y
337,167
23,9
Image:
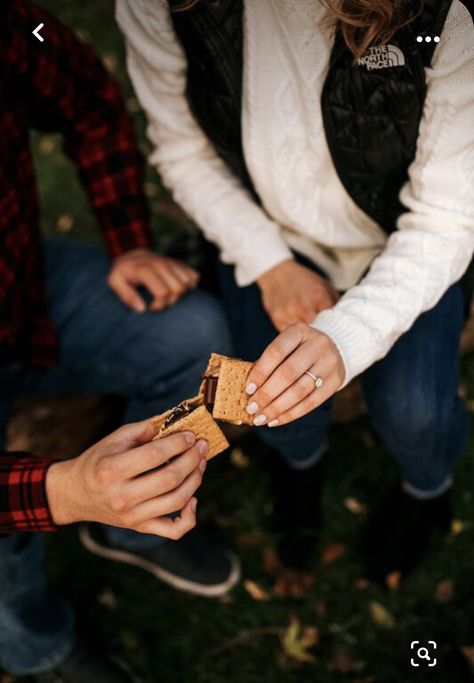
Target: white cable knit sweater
x,y
306,208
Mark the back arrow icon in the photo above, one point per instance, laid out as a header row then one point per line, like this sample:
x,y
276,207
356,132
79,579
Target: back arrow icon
x,y
36,33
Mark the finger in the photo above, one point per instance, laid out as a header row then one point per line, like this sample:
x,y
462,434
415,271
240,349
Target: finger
x,y
174,285
169,477
148,277
129,436
188,276
303,388
170,502
126,293
283,377
311,402
273,355
169,527
135,462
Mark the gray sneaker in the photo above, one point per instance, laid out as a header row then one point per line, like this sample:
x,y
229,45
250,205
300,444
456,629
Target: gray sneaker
x,y
194,564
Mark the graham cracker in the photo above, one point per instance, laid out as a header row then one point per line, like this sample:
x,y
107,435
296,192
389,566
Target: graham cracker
x,y
231,399
201,423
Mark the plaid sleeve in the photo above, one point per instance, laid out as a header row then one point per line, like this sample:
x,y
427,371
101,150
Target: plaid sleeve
x,y
23,502
67,90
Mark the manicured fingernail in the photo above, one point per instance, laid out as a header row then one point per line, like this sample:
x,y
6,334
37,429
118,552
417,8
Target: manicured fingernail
x,y
190,438
260,420
202,447
194,504
202,466
273,423
252,408
251,388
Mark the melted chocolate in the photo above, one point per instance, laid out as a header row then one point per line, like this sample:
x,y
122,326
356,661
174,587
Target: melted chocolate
x,y
179,412
210,388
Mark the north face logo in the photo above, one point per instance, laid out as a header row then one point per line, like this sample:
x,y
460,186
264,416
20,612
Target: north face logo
x,y
382,57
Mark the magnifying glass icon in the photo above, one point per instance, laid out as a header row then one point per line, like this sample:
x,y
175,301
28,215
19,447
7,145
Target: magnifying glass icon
x,y
423,653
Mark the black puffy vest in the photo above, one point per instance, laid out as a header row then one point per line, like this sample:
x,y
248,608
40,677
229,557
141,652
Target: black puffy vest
x,y
371,109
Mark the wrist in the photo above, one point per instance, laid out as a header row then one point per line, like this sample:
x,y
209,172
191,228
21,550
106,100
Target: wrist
x,y
61,489
273,274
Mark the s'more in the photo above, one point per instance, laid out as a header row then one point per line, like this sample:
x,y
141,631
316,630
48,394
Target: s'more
x,y
223,389
192,416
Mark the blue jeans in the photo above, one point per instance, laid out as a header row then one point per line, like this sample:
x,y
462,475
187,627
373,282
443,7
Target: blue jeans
x,y
411,394
154,360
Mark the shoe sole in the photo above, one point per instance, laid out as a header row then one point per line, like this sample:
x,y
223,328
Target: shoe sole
x,y
185,585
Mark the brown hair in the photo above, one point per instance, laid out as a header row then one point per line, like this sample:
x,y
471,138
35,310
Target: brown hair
x,y
361,22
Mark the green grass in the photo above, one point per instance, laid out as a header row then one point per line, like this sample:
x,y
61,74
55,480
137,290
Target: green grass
x,y
175,638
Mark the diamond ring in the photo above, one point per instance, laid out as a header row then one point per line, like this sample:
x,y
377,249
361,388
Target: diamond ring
x,y
318,381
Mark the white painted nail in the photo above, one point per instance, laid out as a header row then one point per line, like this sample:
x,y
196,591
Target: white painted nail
x,y
252,408
273,423
260,420
251,388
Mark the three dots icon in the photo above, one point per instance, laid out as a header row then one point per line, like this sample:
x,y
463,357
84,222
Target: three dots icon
x,y
427,39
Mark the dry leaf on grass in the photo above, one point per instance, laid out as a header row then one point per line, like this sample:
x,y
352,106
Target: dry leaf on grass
x,y
332,552
107,599
297,640
293,584
355,506
239,459
457,527
46,144
444,591
65,222
256,591
381,616
393,580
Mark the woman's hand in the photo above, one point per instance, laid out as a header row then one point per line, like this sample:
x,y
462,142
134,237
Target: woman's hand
x,y
126,480
165,278
281,391
292,293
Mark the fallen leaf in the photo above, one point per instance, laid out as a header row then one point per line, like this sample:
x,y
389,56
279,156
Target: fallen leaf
x,y
46,144
393,580
332,552
444,591
110,62
468,652
293,584
239,459
107,599
381,616
256,591
297,640
457,527
355,506
270,561
65,222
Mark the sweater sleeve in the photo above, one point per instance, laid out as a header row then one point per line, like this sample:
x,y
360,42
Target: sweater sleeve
x,y
188,165
434,242
23,501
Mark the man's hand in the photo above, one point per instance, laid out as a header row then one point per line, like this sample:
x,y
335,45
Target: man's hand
x,y
279,388
292,293
127,480
166,279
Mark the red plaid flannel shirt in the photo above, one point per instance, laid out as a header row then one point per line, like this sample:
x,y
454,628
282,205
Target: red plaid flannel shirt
x,y
58,86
